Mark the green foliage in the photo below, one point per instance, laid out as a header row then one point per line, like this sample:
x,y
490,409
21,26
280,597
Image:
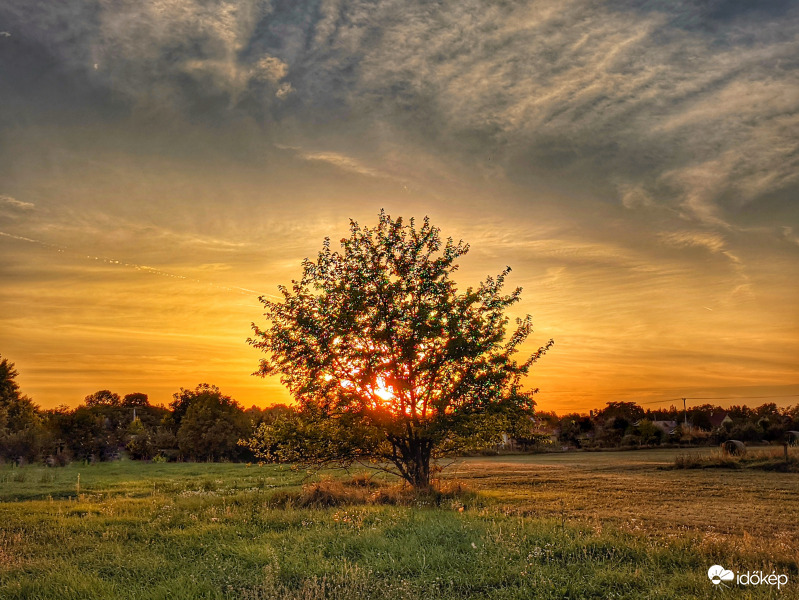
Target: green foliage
x,y
9,388
135,399
212,424
140,441
649,433
22,435
628,411
103,398
574,429
388,361
102,430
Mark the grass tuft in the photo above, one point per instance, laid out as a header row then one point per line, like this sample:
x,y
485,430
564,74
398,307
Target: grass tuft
x,y
768,459
361,490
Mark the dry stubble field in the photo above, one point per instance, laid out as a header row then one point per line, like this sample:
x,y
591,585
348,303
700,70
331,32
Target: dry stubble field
x,y
637,491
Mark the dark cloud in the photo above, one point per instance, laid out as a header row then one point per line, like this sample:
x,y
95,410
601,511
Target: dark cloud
x,y
166,54
693,106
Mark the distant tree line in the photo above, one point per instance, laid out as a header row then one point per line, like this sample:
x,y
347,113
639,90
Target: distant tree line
x,y
200,424
203,424
622,424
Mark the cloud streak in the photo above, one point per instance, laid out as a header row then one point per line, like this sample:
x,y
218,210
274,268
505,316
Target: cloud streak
x,y
15,204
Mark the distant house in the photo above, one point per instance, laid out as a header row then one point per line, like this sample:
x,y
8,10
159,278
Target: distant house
x,y
719,419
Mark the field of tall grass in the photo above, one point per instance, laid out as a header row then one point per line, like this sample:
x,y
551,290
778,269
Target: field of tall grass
x,y
573,526
766,459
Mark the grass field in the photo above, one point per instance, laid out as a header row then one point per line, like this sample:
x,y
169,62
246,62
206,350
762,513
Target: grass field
x,y
578,525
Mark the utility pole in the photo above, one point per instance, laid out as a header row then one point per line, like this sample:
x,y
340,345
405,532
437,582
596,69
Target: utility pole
x,y
685,411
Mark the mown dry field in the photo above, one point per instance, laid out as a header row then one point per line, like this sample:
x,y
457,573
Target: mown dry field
x,y
581,525
638,492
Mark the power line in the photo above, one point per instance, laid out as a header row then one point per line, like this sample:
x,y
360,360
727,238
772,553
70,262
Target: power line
x,y
661,401
714,398
741,397
665,400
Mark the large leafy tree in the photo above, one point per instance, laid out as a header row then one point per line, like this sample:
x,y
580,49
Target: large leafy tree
x,y
211,425
21,434
389,362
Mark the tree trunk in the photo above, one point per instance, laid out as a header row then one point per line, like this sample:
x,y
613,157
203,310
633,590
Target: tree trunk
x,y
419,464
411,456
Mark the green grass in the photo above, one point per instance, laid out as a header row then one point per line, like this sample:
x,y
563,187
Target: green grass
x,y
212,531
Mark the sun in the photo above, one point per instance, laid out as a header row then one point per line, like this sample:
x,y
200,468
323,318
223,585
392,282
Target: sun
x,y
383,390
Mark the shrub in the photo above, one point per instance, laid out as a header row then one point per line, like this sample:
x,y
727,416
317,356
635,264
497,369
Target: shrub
x,y
360,489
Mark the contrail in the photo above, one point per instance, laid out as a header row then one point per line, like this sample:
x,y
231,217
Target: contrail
x,y
142,268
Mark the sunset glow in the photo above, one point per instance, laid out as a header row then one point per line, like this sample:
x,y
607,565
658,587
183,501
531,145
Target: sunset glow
x,y
383,391
163,164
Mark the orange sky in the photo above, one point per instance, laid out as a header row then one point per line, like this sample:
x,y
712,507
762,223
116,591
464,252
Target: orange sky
x,y
636,168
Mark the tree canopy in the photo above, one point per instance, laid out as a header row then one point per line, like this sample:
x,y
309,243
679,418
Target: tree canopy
x,y
9,388
102,398
20,424
135,399
211,424
389,362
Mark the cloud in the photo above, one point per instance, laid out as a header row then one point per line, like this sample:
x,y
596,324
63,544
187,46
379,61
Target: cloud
x,y
172,54
13,210
9,202
700,118
692,239
789,235
679,106
113,231
346,163
715,243
635,196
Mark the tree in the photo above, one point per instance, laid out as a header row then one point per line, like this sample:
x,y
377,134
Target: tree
x,y
21,432
9,388
183,399
135,400
102,398
140,441
212,425
629,411
649,433
388,361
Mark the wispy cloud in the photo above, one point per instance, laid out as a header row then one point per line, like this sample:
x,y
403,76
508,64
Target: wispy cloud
x,y
336,159
700,118
9,202
788,234
688,107
683,239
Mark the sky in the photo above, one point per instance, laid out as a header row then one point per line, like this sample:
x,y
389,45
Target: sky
x,y
636,163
